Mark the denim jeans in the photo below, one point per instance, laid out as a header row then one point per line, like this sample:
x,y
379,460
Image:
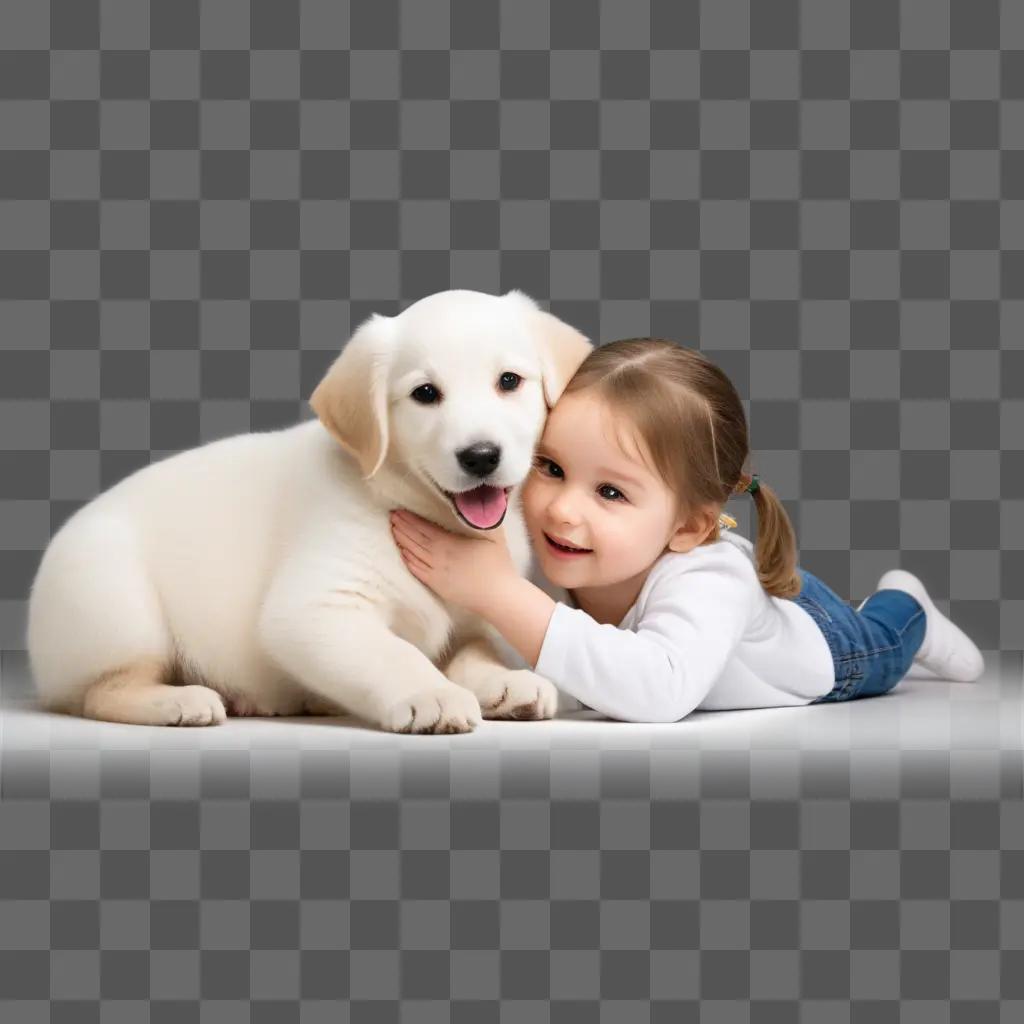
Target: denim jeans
x,y
873,648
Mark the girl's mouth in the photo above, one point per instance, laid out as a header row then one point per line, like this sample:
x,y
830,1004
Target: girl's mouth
x,y
560,551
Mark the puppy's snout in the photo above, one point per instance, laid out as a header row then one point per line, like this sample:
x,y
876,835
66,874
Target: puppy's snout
x,y
479,459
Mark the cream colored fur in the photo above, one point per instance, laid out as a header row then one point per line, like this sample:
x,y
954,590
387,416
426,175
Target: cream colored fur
x,y
257,574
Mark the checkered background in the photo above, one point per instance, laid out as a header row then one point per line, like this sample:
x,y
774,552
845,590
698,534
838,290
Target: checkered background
x,y
198,201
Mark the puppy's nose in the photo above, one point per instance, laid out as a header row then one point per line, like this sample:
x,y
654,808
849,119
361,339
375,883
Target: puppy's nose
x,y
479,459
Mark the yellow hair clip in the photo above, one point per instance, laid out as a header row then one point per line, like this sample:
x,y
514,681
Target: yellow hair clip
x,y
726,522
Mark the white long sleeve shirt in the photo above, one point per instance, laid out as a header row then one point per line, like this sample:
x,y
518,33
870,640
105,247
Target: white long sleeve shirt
x,y
702,634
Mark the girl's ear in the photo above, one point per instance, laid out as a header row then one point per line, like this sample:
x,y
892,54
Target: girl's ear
x,y
693,533
351,399
562,348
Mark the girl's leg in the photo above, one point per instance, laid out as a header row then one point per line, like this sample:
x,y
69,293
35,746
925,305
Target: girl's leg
x,y
873,646
946,651
900,615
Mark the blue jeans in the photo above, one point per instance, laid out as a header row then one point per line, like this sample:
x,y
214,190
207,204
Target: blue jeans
x,y
873,648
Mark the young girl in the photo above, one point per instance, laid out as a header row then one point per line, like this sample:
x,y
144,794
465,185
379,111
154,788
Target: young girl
x,y
667,613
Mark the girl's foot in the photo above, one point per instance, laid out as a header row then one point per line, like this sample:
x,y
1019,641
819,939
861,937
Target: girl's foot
x,y
947,652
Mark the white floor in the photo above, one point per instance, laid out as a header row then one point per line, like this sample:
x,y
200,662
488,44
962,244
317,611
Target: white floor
x,y
972,731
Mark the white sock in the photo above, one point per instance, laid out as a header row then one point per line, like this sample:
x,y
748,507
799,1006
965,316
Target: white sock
x,y
947,651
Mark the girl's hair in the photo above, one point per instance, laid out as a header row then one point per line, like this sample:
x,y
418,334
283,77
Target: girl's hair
x,y
690,419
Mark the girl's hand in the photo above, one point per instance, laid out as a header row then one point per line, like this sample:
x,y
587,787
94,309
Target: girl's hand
x,y
463,570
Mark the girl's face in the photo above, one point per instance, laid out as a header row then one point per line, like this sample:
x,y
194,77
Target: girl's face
x,y
584,491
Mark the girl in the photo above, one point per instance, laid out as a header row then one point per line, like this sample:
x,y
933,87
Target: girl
x,y
666,612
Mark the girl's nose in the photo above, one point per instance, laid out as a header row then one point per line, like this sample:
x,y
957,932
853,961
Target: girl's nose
x,y
561,509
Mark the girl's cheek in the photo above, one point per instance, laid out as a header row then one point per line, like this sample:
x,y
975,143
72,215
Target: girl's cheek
x,y
536,497
530,493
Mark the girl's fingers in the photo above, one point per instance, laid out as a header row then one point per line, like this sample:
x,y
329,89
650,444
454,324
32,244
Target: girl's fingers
x,y
408,542
411,517
414,563
423,535
409,546
400,529
417,527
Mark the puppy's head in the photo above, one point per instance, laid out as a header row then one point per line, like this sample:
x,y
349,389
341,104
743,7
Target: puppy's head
x,y
453,390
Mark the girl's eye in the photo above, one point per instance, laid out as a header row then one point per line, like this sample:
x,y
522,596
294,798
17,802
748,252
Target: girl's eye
x,y
509,381
425,394
540,462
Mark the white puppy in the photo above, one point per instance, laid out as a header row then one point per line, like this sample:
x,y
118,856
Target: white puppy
x,y
260,571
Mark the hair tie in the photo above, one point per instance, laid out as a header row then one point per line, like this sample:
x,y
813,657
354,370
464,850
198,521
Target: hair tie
x,y
726,522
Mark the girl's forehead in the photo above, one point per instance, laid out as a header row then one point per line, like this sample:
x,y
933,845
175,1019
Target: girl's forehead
x,y
577,419
578,407
582,422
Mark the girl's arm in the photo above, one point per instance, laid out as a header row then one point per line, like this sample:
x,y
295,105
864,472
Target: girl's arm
x,y
690,625
478,574
520,612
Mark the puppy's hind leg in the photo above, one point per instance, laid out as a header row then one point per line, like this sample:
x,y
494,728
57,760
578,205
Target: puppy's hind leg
x,y
136,694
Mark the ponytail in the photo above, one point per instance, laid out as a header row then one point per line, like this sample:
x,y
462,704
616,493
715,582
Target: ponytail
x,y
775,548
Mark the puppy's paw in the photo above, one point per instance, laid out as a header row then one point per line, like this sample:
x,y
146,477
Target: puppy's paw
x,y
191,705
519,694
440,709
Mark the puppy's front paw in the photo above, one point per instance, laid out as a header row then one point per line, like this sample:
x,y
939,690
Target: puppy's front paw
x,y
440,709
191,705
519,694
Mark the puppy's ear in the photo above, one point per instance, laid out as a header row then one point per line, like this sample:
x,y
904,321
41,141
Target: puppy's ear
x,y
520,300
351,400
562,349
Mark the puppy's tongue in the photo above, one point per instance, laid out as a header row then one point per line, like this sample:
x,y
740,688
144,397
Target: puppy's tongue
x,y
483,506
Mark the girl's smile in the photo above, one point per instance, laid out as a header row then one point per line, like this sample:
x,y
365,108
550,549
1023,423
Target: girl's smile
x,y
563,551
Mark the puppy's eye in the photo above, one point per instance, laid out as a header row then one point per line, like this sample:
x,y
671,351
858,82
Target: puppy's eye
x,y
426,394
509,381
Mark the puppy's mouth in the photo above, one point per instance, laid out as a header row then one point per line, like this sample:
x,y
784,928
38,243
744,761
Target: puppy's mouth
x,y
483,507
